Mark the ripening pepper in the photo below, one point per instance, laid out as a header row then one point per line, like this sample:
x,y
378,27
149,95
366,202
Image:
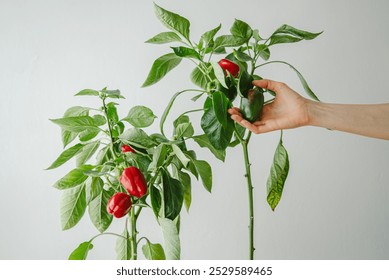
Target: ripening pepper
x,y
127,149
119,205
229,66
251,105
134,181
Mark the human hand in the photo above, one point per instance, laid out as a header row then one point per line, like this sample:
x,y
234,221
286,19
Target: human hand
x,y
288,110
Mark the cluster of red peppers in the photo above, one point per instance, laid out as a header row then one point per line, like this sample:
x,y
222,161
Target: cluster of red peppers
x,y
134,182
252,98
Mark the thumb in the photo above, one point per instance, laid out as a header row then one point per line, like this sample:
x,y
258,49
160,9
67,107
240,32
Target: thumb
x,y
268,84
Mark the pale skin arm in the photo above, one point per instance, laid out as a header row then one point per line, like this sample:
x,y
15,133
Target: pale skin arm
x,y
291,110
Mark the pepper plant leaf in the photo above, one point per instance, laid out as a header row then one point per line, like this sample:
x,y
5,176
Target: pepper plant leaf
x,y
153,251
220,106
90,92
123,246
205,171
173,21
72,206
208,36
68,136
87,152
198,78
278,174
140,116
187,186
203,141
173,196
138,138
76,124
94,187
66,155
72,179
97,209
81,252
161,67
228,41
164,37
241,29
171,238
186,52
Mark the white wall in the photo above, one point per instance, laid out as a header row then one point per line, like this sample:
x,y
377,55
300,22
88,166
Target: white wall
x,y
335,203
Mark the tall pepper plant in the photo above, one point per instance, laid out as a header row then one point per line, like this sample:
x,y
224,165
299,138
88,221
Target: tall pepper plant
x,y
224,68
131,171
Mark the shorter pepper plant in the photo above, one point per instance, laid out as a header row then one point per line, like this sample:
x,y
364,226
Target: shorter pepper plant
x,y
132,171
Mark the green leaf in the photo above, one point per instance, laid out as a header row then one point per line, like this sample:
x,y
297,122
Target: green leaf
x,y
241,29
278,174
218,136
198,78
87,152
219,74
87,135
203,141
113,93
263,51
94,187
164,37
68,136
171,239
81,252
76,124
156,200
153,251
220,106
159,155
228,41
98,210
66,155
244,84
208,36
241,56
161,67
180,155
123,246
290,34
112,112
173,21
72,206
140,116
71,180
88,92
205,172
256,35
137,137
184,130
187,186
99,120
186,52
173,196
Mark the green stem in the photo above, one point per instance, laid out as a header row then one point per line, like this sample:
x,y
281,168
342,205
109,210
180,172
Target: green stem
x,y
134,243
250,193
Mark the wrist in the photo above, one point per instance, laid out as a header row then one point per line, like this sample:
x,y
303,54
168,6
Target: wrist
x,y
312,108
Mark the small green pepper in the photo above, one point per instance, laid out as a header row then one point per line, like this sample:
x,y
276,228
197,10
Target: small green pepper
x,y
251,105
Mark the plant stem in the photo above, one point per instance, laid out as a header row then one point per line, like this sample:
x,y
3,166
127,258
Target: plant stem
x,y
134,243
250,193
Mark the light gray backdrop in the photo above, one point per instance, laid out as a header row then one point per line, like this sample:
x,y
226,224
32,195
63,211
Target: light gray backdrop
x,y
335,203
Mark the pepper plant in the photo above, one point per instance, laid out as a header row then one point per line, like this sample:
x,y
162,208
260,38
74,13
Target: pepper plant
x,y
221,83
132,171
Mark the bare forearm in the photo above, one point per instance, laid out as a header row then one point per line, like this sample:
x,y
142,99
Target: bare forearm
x,y
367,120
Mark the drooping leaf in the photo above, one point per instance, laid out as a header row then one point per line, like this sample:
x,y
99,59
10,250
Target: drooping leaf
x,y
94,187
153,251
290,34
219,73
72,206
208,36
186,184
66,155
218,136
173,196
203,141
263,51
220,106
112,112
184,130
161,67
124,246
156,200
173,21
205,171
97,209
171,238
180,155
244,83
159,155
241,56
278,174
164,37
140,116
81,252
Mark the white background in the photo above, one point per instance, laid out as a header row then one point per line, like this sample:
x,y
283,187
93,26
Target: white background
x,y
335,202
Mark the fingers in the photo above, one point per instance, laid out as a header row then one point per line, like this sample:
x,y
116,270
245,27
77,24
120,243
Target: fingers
x,y
234,111
269,84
